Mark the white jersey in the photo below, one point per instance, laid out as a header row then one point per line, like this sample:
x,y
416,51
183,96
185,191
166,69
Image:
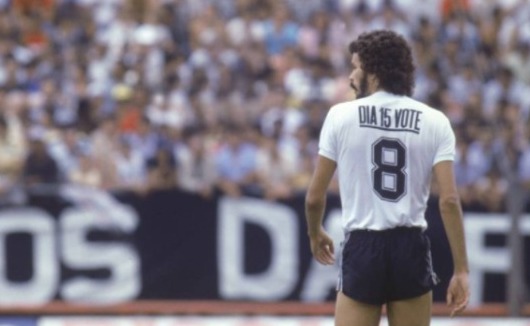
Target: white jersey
x,y
385,147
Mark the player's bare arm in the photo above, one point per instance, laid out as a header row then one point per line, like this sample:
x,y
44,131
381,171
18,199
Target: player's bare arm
x,y
315,203
451,211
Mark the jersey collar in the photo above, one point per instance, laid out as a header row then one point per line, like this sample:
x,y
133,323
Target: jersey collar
x,y
382,93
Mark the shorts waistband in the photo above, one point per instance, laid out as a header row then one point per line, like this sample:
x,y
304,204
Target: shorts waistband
x,y
397,229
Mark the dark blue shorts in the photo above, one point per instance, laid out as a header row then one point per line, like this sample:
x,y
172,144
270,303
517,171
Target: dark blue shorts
x,y
382,266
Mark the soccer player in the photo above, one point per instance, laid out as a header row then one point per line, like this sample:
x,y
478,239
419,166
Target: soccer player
x,y
386,147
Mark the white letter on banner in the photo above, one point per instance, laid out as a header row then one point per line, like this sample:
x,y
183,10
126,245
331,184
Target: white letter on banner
x,y
320,278
281,224
121,259
484,259
42,286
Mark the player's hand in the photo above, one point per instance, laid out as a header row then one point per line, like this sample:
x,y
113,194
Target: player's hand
x,y
458,293
322,248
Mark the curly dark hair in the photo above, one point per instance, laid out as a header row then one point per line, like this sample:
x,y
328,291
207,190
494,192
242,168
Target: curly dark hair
x,y
387,55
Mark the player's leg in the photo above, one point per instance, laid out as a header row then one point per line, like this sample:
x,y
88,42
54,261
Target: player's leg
x,y
412,279
349,312
410,312
362,282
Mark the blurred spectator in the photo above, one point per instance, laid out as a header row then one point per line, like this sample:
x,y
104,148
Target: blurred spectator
x,y
12,153
196,164
36,6
491,191
161,112
236,164
244,28
280,31
40,169
303,173
145,138
504,86
482,149
86,173
466,174
161,170
524,167
451,8
463,84
275,170
518,61
130,166
391,18
104,142
313,34
66,149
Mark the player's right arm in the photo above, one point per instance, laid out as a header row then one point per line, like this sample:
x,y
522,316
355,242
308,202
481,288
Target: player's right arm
x,y
315,200
315,203
452,216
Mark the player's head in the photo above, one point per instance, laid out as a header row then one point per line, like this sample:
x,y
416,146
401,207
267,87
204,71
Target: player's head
x,y
381,59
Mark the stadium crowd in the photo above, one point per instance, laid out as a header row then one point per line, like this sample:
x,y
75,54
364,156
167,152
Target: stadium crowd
x,y
229,95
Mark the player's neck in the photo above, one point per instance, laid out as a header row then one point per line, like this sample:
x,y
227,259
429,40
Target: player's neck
x,y
373,85
374,90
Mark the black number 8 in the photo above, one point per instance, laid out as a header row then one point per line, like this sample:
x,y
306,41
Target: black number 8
x,y
388,175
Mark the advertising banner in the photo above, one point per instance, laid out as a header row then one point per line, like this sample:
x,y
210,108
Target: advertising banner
x,y
87,246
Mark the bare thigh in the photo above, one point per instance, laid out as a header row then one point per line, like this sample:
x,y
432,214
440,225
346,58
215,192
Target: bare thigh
x,y
411,312
349,312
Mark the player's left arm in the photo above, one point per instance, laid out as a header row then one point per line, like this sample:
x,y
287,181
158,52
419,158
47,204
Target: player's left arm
x,y
452,217
315,204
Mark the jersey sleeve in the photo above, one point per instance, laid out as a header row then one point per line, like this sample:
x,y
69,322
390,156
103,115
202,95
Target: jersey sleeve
x,y
446,143
327,145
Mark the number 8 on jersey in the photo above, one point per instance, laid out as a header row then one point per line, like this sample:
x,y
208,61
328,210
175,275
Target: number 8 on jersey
x,y
388,175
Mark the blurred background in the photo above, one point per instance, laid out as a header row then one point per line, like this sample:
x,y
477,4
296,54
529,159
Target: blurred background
x,y
154,154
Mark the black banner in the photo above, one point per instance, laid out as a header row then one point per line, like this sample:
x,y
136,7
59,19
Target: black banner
x,y
86,246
